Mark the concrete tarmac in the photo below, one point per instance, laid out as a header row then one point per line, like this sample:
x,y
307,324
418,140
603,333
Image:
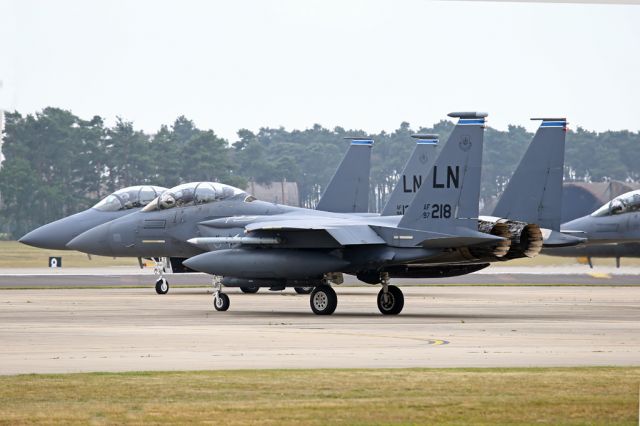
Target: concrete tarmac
x,y
74,330
132,276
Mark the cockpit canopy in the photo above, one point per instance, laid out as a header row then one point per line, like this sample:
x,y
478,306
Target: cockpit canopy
x,y
196,193
129,198
625,203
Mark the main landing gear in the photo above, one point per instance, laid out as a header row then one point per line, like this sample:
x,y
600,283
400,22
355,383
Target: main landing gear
x,y
390,297
323,299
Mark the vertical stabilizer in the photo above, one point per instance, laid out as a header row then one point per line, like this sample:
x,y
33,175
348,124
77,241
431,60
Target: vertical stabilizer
x,y
448,198
534,192
348,190
414,172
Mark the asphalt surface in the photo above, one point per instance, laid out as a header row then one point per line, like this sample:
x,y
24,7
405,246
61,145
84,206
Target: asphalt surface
x,y
125,329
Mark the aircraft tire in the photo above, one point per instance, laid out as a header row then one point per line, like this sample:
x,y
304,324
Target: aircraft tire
x,y
249,290
162,286
303,290
393,303
222,302
323,300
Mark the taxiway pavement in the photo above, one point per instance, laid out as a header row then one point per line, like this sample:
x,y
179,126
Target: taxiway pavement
x,y
135,277
132,329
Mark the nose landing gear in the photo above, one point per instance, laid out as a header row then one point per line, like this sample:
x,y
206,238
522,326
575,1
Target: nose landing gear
x,y
159,268
162,286
220,300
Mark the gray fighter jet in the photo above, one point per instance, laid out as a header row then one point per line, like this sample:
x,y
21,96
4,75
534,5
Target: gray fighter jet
x,y
242,238
612,231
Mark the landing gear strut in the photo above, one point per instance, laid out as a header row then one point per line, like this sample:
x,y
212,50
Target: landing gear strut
x,y
220,300
162,285
390,297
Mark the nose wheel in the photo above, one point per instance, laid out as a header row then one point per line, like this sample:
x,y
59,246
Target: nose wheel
x,y
221,302
162,286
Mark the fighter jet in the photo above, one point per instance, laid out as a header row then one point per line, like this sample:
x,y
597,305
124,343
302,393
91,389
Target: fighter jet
x,y
612,231
536,186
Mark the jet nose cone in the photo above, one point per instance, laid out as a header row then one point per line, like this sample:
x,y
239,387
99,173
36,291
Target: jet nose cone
x,y
94,241
45,237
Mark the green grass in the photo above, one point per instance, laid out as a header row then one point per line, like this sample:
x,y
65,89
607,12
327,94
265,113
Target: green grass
x,y
17,255
559,396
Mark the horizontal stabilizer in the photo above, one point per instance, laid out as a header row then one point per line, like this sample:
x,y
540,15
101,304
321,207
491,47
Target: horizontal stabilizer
x,y
461,241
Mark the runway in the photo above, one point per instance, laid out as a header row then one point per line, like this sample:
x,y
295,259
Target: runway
x,y
125,329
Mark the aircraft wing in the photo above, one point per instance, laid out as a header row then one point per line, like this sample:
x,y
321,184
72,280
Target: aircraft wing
x,y
344,232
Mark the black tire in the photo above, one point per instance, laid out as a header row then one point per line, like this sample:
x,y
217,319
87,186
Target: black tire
x,y
249,290
393,303
222,302
162,286
323,300
303,290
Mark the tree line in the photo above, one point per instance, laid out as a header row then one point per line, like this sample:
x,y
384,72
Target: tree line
x,y
57,163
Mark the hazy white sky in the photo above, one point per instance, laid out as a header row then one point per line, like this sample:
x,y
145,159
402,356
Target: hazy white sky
x,y
358,64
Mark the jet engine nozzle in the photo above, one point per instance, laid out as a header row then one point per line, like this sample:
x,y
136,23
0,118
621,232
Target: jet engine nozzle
x,y
526,239
531,240
497,250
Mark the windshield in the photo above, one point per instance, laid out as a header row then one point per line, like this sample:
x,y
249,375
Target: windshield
x,y
194,193
625,203
129,198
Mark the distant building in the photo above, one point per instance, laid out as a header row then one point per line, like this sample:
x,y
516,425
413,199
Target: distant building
x,y
582,198
276,192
